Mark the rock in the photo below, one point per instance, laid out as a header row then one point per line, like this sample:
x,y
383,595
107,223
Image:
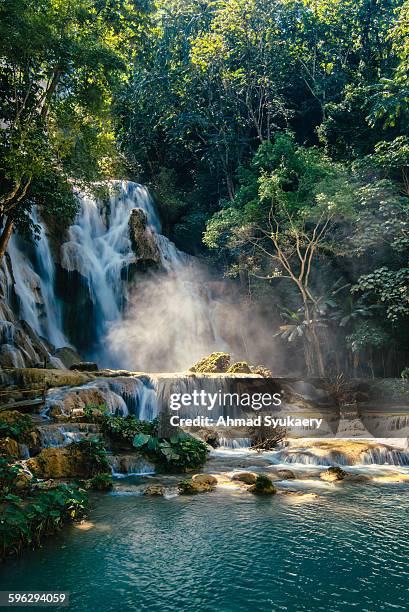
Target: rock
x,y
285,474
142,238
67,462
23,481
358,478
210,436
68,356
262,371
9,447
157,490
85,366
205,479
263,486
191,487
240,367
247,477
333,474
213,363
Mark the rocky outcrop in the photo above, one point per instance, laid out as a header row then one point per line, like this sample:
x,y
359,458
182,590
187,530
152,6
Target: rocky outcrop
x,y
285,474
68,462
68,356
142,239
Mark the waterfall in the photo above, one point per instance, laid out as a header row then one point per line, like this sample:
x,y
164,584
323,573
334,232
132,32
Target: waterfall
x,y
34,274
121,293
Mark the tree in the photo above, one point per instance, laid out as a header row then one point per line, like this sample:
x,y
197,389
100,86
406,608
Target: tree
x,y
59,64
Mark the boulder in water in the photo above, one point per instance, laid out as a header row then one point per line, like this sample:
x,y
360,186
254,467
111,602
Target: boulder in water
x,y
191,487
246,477
333,474
205,479
263,486
85,366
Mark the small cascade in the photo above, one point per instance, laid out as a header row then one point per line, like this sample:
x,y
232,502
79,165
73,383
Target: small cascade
x,y
130,465
385,456
234,443
56,435
34,274
139,395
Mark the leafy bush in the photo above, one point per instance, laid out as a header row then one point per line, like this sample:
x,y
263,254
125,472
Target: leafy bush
x,y
15,425
24,522
405,374
9,475
180,452
127,428
101,482
95,455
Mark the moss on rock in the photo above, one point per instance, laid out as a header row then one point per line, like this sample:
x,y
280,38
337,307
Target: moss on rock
x,y
213,363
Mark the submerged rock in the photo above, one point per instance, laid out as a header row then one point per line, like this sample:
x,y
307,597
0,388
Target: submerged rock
x,y
333,474
156,490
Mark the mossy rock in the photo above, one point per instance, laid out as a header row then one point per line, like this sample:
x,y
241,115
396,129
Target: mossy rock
x,y
263,486
262,371
192,487
246,477
9,447
205,479
240,367
212,364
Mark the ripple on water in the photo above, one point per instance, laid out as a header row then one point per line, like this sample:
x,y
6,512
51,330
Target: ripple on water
x,y
224,552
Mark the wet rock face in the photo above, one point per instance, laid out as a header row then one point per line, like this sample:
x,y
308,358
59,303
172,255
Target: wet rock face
x,y
85,366
67,462
142,239
68,356
192,487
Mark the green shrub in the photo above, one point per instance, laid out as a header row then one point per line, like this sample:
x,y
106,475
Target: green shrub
x,y
405,374
101,482
95,455
24,522
127,428
15,425
180,452
9,475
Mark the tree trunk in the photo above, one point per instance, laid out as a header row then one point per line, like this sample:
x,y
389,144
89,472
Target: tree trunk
x,y
5,236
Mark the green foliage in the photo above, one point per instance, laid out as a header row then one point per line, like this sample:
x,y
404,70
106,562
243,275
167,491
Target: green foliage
x,y
263,485
405,374
9,475
178,453
95,456
15,425
126,428
25,522
101,482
